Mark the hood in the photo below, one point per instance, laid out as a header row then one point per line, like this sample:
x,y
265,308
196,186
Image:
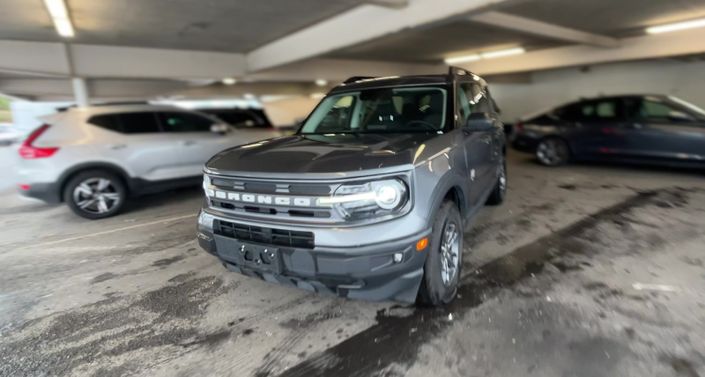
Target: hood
x,y
320,154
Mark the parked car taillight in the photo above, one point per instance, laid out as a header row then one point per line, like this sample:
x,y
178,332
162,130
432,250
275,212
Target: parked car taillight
x,y
29,151
518,127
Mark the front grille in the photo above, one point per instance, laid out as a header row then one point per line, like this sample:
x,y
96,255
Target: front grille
x,y
269,236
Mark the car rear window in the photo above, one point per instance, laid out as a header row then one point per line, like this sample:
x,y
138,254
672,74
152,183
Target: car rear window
x,y
108,122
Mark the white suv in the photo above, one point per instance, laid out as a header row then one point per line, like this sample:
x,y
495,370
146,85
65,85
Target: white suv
x,y
94,158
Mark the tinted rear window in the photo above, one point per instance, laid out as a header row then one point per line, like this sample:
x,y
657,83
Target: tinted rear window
x,y
108,122
127,123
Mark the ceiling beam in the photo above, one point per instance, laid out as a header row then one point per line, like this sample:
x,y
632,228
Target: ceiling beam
x,y
389,3
337,70
635,48
50,59
543,29
360,24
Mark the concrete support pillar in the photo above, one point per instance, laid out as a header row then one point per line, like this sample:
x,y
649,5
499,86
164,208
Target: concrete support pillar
x,y
80,91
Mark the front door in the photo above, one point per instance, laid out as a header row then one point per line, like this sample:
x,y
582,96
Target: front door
x,y
478,144
662,131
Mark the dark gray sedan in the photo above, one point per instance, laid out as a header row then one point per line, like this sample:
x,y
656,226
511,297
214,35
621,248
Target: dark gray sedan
x,y
652,129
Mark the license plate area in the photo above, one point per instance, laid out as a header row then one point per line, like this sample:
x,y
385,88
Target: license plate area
x,y
249,255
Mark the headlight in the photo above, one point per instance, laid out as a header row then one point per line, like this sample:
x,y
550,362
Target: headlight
x,y
207,186
372,199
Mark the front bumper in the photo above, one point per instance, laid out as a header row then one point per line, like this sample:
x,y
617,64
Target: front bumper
x,y
368,272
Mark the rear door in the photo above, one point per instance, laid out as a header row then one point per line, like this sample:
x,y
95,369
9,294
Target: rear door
x,y
663,131
592,127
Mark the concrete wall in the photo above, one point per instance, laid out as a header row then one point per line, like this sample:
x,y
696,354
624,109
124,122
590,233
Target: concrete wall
x,y
549,88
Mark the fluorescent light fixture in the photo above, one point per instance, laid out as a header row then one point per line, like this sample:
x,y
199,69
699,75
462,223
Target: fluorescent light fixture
x,y
692,24
321,82
463,59
249,96
60,16
502,53
317,95
229,81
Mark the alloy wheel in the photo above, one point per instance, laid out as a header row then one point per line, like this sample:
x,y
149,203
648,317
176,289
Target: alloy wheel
x,y
552,152
96,195
450,252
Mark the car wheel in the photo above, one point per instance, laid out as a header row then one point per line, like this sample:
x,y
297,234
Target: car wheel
x,y
95,194
552,152
500,187
445,258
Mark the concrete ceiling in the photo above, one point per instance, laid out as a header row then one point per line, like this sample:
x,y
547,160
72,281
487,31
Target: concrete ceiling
x,y
432,44
287,44
211,25
616,18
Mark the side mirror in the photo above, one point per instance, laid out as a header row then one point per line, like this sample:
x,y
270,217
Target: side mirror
x,y
679,116
220,128
479,122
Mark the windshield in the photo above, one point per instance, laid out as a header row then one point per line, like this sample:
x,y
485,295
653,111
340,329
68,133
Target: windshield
x,y
700,112
401,110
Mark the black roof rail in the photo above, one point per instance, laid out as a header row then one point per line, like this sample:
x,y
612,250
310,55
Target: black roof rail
x,y
357,78
116,103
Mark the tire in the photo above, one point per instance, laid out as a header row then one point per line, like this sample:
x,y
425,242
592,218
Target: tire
x,y
553,151
500,187
439,287
95,194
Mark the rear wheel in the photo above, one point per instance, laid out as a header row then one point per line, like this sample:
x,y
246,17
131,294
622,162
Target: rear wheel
x,y
445,258
553,152
95,194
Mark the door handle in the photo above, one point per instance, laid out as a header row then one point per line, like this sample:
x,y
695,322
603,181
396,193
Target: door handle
x,y
188,143
117,146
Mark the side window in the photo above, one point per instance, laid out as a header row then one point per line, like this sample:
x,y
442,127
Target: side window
x,y
107,121
657,111
184,122
472,99
594,111
138,123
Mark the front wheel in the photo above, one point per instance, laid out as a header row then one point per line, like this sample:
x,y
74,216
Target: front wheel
x,y
445,259
95,194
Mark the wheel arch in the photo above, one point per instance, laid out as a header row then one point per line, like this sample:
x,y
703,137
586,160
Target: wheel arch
x,y
106,166
449,190
559,137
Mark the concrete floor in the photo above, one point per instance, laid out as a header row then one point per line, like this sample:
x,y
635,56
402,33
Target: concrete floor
x,y
585,271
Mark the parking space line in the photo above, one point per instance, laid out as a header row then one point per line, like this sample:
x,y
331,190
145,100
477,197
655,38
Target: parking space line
x,y
167,220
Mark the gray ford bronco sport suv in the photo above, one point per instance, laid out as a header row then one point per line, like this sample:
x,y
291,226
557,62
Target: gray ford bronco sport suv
x,y
370,197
